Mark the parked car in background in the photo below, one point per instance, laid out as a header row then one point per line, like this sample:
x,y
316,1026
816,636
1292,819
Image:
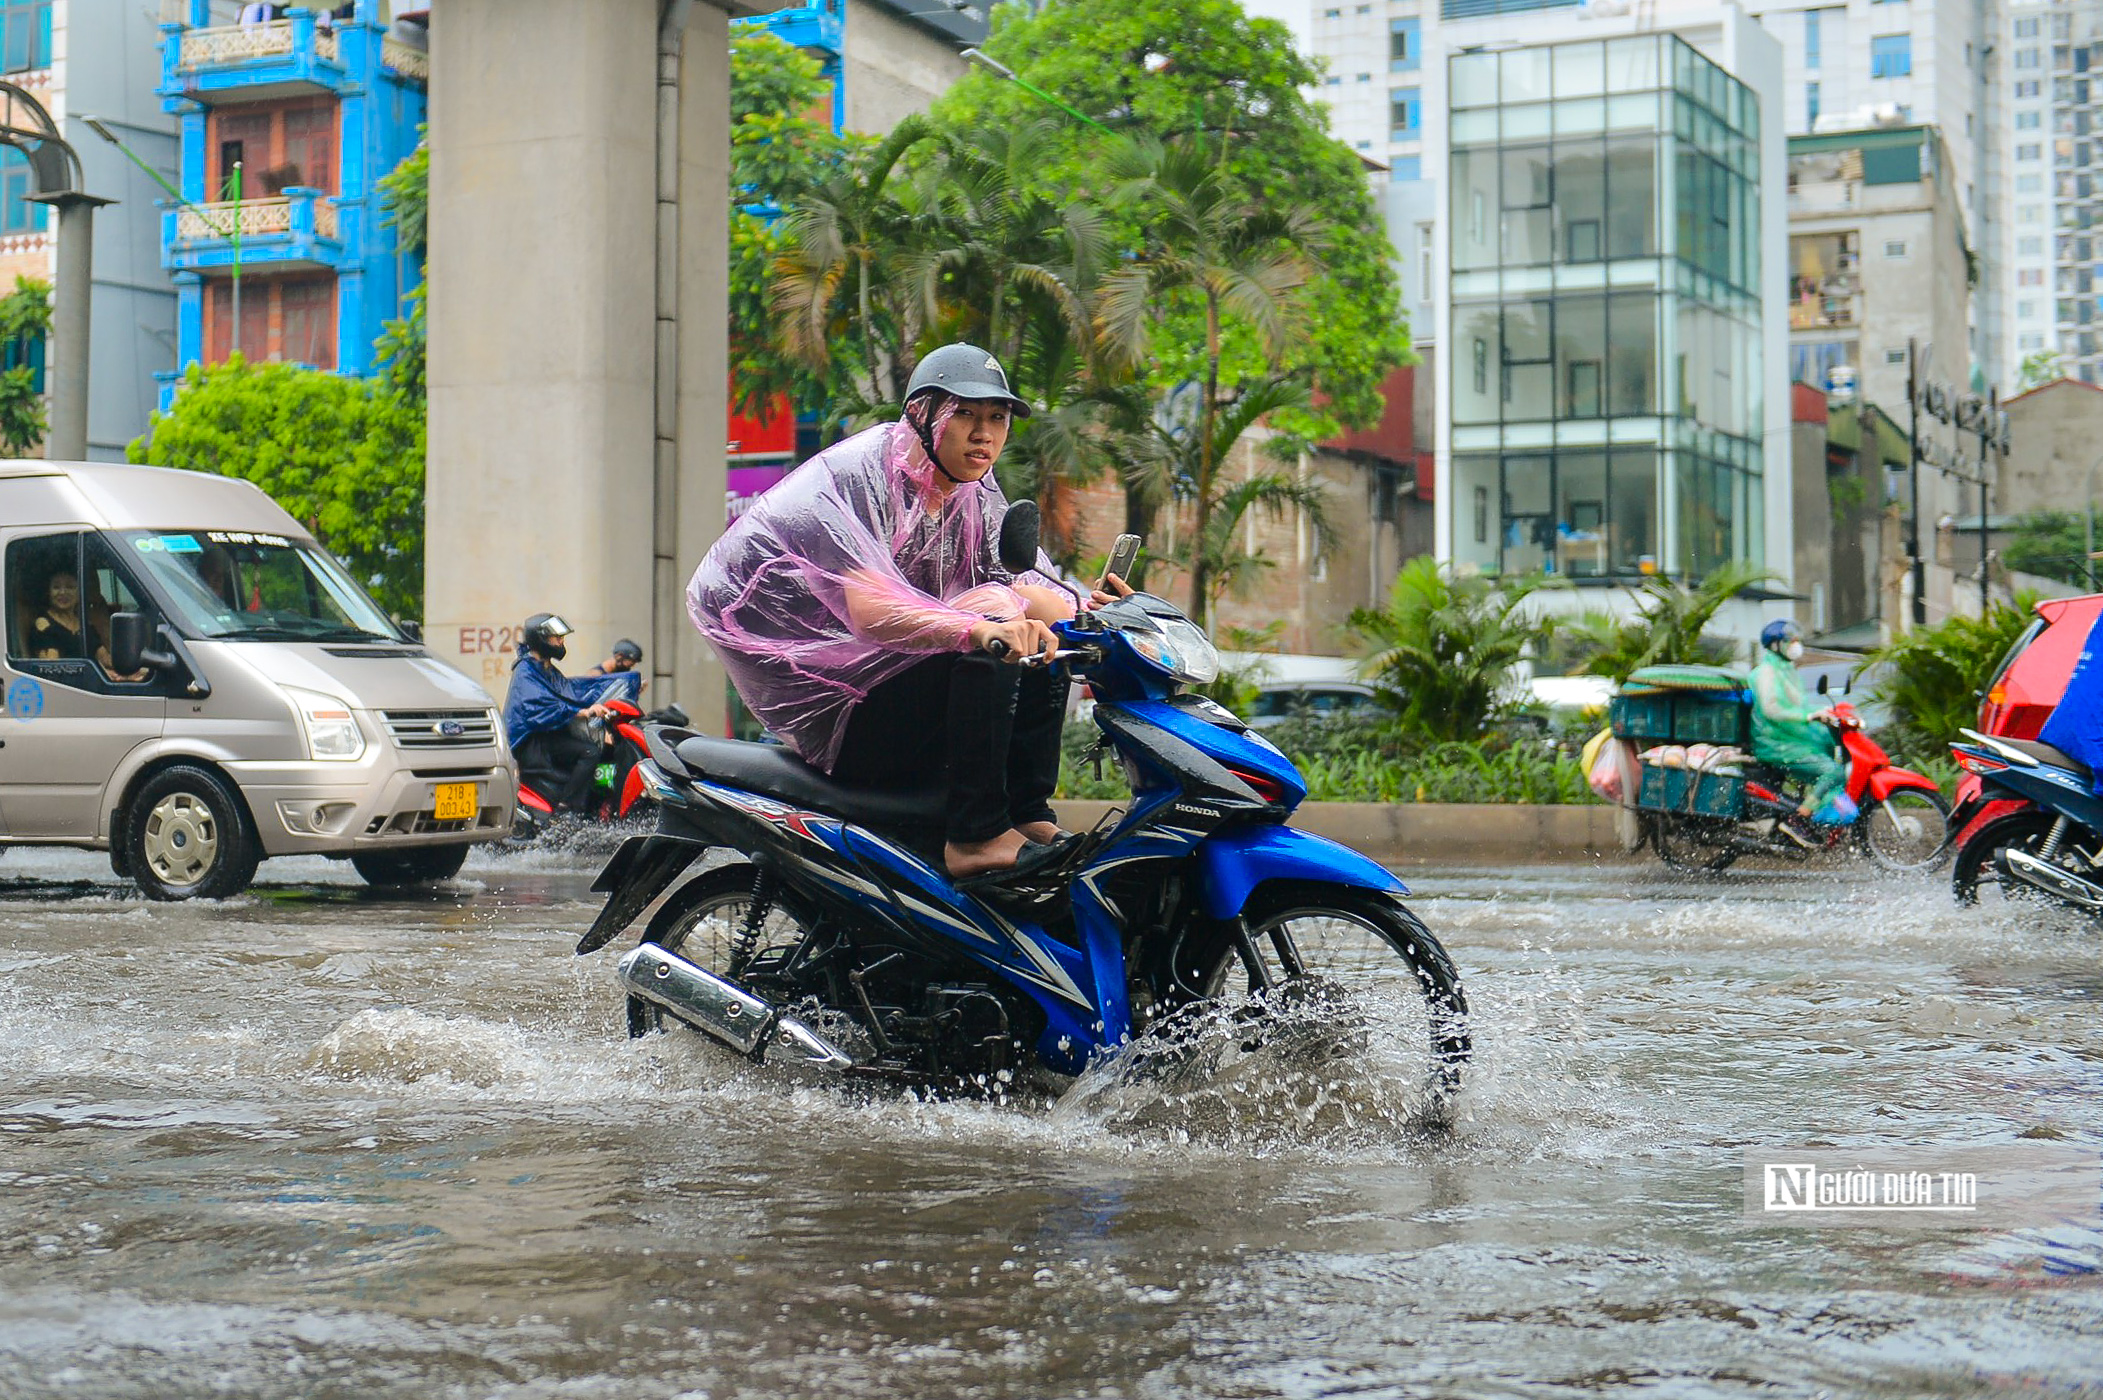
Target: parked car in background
x,y
1280,701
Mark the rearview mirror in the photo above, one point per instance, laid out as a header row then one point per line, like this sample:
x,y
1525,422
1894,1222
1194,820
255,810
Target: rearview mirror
x,y
130,636
1020,529
412,629
1825,684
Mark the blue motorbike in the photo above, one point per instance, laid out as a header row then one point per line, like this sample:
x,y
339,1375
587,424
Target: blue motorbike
x,y
2051,844
834,938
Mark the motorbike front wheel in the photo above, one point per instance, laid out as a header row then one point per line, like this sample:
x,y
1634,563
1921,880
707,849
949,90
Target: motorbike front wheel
x,y
1909,830
1323,944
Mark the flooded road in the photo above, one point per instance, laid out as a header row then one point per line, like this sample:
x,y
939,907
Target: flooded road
x,y
316,1142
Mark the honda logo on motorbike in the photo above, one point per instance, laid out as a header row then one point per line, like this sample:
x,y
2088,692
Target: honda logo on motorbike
x,y
450,728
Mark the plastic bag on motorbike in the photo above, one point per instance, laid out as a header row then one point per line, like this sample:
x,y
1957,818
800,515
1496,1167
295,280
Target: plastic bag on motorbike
x,y
850,571
1610,768
1839,810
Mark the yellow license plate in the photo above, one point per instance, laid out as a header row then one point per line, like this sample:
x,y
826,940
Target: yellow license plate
x,y
453,802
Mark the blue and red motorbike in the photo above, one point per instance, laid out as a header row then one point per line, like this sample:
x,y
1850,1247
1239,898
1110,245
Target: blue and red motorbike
x,y
834,939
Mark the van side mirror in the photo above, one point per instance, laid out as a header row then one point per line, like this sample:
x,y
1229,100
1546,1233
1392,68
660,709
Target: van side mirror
x,y
412,629
1824,684
130,635
131,645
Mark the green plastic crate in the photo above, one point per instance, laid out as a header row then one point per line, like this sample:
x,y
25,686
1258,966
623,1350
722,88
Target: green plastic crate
x,y
1720,719
1693,794
1640,716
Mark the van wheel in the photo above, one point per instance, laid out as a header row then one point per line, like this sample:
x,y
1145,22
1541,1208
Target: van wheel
x,y
423,865
186,837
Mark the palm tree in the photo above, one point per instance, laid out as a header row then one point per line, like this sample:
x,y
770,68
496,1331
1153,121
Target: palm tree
x,y
852,233
1443,649
1667,628
1238,260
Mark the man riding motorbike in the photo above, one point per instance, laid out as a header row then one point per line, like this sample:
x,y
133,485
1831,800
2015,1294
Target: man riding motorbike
x,y
626,656
1791,736
853,606
547,715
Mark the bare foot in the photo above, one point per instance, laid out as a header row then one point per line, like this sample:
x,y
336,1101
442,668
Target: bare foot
x,y
968,858
1040,833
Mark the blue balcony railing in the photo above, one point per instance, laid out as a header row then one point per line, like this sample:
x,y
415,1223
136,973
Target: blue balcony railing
x,y
301,226
227,58
1476,9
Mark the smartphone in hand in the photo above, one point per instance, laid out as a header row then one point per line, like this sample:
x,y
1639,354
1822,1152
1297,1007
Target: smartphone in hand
x,y
1122,554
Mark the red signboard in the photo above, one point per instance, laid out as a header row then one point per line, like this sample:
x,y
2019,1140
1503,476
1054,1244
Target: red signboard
x,y
770,433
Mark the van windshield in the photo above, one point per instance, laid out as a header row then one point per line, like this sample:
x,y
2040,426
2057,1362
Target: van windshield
x,y
239,585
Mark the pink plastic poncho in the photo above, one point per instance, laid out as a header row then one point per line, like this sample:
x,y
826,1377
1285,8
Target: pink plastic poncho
x,y
838,579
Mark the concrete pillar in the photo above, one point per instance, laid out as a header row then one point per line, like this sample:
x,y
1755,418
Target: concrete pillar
x,y
543,310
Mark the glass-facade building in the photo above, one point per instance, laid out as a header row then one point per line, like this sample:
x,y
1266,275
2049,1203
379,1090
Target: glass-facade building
x,y
1604,271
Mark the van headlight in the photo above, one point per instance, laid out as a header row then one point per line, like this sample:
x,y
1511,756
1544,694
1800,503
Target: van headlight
x,y
1179,648
332,730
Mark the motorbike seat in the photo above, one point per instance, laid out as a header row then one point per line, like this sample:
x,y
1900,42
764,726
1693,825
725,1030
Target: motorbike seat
x,y
772,771
2045,753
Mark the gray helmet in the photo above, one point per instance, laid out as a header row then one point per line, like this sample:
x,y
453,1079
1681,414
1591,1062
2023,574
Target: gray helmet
x,y
967,372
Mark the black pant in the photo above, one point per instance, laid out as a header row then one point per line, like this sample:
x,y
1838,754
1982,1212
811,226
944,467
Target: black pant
x,y
993,729
559,766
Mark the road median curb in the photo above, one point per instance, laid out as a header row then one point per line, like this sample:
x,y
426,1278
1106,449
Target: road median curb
x,y
1408,833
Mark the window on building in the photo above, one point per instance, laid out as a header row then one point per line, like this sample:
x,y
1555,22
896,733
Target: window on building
x,y
1402,111
1895,248
2029,184
1403,54
2030,151
17,183
1811,39
2029,58
1425,261
2029,214
1332,14
2030,247
1334,80
25,34
1891,56
1402,169
2026,28
2028,121
2027,88
25,352
2033,341
1894,357
1365,77
2026,309
1810,98
278,146
291,319
2030,277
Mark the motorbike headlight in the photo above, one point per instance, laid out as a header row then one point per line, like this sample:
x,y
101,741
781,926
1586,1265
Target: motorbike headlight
x,y
1179,649
331,729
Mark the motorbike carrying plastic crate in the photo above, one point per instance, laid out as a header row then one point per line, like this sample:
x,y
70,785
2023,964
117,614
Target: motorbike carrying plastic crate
x,y
1690,793
1711,717
1640,716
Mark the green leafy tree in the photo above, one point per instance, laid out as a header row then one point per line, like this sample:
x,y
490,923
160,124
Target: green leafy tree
x,y
1210,247
25,318
2039,367
405,201
345,456
1207,74
2054,544
1935,674
1443,649
1669,626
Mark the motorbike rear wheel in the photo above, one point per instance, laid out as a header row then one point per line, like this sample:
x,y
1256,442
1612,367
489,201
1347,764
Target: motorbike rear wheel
x,y
1673,837
1976,872
1324,942
705,922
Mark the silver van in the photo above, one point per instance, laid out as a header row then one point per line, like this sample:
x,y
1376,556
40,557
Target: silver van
x,y
191,683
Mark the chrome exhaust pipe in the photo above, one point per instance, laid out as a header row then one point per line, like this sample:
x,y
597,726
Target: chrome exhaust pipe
x,y
724,1011
2054,880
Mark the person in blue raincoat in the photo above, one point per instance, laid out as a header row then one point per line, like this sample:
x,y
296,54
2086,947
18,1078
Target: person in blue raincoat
x,y
546,715
2075,726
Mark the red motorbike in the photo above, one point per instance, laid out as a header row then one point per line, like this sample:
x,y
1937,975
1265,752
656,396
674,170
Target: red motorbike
x,y
1902,821
617,789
